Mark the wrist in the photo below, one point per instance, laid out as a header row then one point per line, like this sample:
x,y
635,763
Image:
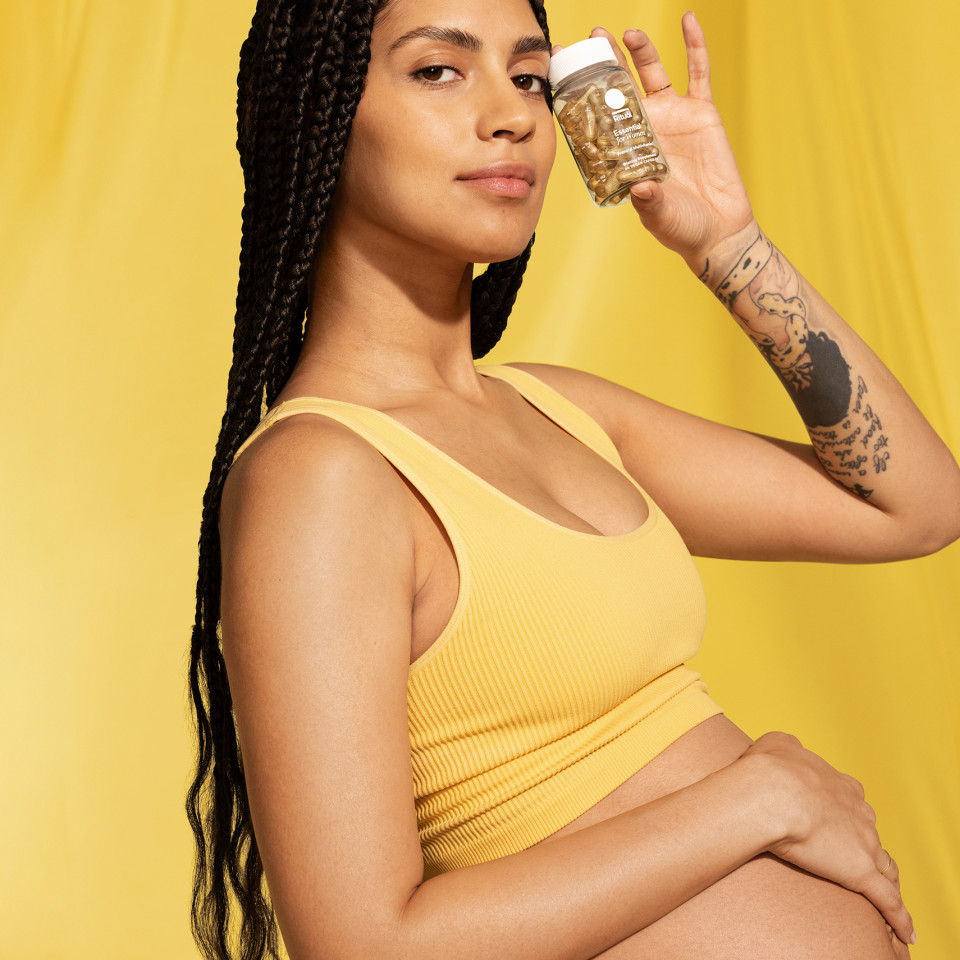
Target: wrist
x,y
778,815
733,262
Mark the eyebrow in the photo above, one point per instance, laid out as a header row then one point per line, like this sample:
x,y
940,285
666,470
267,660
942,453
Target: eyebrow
x,y
469,41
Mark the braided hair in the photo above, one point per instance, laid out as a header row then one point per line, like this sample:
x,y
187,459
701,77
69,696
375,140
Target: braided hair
x,y
302,72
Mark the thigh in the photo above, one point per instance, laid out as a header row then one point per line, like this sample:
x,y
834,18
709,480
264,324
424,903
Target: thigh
x,y
767,910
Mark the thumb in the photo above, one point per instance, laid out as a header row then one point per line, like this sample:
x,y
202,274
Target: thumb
x,y
647,198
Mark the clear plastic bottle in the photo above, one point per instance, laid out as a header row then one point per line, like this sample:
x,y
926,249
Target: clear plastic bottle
x,y
602,117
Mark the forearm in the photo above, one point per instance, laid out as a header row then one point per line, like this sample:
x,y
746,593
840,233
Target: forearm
x,y
865,430
572,898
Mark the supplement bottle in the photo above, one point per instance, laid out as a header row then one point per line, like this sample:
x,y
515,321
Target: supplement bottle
x,y
603,120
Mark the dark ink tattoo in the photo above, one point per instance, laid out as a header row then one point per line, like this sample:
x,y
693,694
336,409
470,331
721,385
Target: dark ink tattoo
x,y
842,454
820,383
764,293
746,270
706,272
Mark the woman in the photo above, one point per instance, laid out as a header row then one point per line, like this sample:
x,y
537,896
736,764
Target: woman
x,y
457,568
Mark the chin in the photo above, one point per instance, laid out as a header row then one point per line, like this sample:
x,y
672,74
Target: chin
x,y
494,242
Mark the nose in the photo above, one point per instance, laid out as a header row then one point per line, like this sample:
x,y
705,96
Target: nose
x,y
505,113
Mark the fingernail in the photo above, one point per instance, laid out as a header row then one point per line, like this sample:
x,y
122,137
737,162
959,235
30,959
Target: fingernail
x,y
913,938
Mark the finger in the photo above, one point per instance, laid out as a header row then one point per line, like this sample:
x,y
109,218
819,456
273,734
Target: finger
x,y
650,71
604,32
888,869
698,62
886,898
893,875
647,199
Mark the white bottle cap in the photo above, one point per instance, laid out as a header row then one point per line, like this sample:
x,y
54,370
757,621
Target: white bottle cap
x,y
585,53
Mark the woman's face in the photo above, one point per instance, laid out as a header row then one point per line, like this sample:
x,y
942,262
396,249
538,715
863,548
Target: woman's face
x,y
453,141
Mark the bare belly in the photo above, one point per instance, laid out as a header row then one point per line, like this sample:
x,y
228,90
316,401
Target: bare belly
x,y
767,910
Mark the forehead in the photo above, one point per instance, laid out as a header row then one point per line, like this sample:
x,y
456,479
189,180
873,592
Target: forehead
x,y
492,21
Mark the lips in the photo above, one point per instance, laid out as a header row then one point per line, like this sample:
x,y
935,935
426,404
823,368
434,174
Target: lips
x,y
506,179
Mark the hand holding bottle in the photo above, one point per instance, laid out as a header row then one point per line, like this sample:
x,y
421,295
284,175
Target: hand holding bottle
x,y
704,204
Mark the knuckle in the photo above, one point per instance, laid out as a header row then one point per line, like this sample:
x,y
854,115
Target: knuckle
x,y
856,785
786,737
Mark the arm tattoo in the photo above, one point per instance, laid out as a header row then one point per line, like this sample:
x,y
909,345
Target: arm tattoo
x,y
763,293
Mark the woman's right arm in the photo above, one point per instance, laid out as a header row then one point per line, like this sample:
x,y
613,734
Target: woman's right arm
x,y
320,572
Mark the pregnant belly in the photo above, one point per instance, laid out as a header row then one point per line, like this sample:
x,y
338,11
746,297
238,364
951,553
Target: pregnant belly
x,y
767,908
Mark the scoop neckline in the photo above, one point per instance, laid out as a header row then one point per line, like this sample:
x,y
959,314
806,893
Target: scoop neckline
x,y
643,528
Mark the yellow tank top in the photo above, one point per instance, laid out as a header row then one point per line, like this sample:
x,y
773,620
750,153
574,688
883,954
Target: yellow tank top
x,y
561,671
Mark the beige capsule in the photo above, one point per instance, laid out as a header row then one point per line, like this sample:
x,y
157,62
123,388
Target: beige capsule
x,y
611,186
574,108
646,150
594,96
597,180
614,151
590,151
590,124
599,166
605,124
578,138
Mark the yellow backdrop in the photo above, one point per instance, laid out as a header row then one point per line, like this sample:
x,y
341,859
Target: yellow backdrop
x,y
119,212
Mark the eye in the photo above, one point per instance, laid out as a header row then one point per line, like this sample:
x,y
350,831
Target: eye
x,y
436,74
531,83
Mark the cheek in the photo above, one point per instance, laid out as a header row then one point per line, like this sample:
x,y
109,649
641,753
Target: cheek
x,y
397,152
548,142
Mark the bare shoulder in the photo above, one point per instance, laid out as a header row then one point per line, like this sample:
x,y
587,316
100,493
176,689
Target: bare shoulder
x,y
309,469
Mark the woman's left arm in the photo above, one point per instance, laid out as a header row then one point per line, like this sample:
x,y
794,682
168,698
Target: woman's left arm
x,y
876,482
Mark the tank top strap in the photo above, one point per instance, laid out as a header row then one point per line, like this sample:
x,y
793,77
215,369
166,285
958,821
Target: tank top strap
x,y
567,415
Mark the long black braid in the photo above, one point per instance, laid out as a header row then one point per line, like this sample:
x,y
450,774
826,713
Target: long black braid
x,y
302,72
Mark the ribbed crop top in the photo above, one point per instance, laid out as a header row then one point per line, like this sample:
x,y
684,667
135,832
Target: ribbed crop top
x,y
561,671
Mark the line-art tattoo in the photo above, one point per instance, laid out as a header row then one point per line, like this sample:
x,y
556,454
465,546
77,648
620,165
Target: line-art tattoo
x,y
763,292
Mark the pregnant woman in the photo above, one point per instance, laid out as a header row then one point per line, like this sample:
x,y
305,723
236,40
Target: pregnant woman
x,y
444,609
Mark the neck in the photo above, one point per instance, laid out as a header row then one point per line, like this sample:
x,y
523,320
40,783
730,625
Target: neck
x,y
385,324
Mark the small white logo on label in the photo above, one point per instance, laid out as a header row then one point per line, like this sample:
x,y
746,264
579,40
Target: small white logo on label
x,y
624,114
615,98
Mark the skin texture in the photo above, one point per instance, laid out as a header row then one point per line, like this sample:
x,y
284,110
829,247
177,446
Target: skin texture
x,y
336,574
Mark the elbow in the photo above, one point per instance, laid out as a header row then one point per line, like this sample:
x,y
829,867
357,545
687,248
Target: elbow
x,y
933,521
939,538
938,528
